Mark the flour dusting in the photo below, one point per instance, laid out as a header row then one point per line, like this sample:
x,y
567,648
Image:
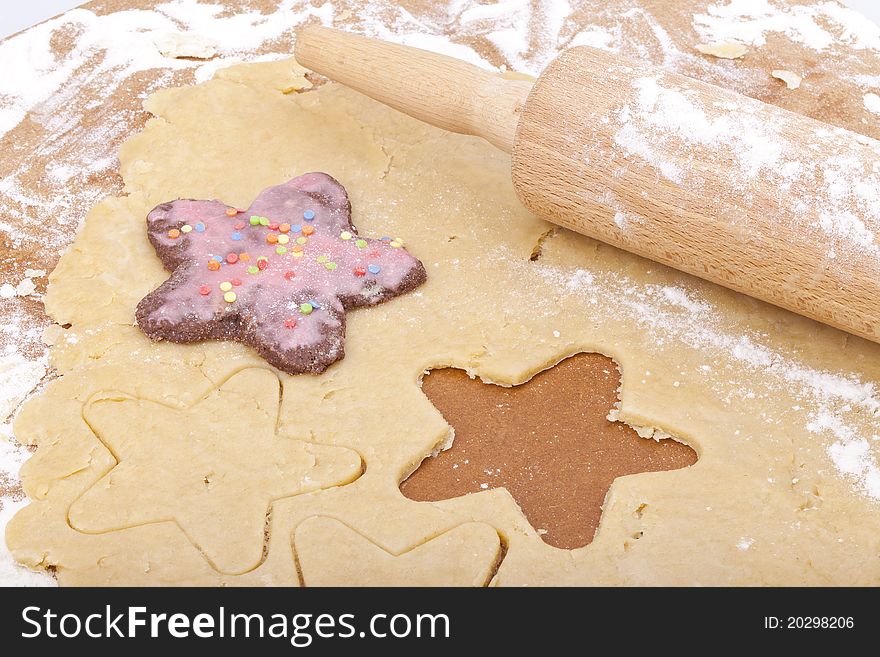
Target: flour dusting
x,y
682,135
850,452
745,543
128,40
817,26
49,65
670,316
18,376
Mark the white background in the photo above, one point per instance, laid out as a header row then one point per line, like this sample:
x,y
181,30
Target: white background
x,y
15,16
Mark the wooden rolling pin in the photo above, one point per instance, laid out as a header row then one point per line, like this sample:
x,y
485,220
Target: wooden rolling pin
x,y
747,195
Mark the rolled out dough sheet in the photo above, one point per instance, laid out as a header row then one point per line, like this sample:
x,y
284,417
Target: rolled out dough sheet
x,y
778,408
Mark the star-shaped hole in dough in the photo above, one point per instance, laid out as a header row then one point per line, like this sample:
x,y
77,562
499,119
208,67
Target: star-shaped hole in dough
x,y
278,276
213,468
548,441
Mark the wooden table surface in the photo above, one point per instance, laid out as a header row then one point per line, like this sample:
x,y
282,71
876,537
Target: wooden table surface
x,y
61,158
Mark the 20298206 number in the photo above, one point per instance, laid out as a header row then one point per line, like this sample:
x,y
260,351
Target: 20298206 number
x,y
820,622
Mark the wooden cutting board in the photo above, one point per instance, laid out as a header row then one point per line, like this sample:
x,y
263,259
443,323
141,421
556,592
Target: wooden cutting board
x,y
61,158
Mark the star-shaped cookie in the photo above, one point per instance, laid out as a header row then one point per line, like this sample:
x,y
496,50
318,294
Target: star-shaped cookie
x,y
278,276
213,468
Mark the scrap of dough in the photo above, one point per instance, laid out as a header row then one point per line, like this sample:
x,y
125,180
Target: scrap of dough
x,y
284,75
723,49
792,80
728,374
52,334
464,556
182,44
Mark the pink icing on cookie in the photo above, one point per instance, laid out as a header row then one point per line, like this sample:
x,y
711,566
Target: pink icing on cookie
x,y
278,276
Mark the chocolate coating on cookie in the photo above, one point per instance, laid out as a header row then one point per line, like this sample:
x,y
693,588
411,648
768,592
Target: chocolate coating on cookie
x,y
278,276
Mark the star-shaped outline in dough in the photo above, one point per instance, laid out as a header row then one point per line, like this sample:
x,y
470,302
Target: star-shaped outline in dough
x,y
225,456
333,553
278,276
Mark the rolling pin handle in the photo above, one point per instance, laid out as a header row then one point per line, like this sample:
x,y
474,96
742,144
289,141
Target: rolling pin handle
x,y
440,90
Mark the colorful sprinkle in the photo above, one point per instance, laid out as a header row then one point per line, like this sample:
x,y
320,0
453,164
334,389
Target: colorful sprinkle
x,y
374,254
174,233
385,238
281,298
200,227
395,244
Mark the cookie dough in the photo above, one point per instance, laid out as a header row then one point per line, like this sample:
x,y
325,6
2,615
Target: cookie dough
x,y
779,409
464,556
